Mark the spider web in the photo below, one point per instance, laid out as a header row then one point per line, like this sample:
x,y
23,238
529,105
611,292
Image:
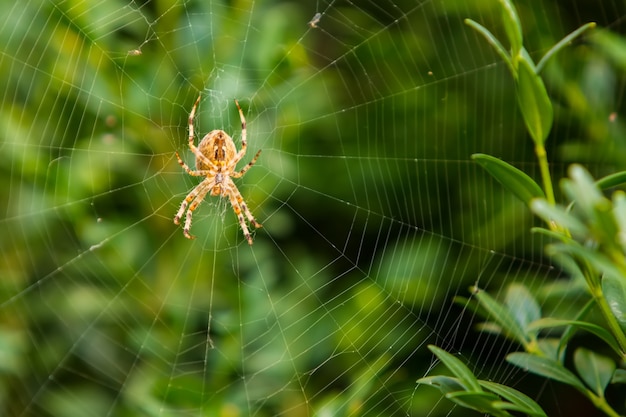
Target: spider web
x,y
374,216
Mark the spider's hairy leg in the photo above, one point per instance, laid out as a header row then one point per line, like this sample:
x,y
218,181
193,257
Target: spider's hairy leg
x,y
191,116
192,146
196,195
247,212
234,198
243,125
247,167
200,173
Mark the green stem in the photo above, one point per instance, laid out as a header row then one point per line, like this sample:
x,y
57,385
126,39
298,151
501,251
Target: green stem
x,y
601,404
542,157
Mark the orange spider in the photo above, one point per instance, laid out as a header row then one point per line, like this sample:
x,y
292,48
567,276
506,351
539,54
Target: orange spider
x,y
216,160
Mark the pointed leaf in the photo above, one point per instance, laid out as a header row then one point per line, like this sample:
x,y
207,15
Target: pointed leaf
x,y
458,368
562,43
512,26
596,370
545,367
494,42
526,404
482,402
533,101
513,179
613,180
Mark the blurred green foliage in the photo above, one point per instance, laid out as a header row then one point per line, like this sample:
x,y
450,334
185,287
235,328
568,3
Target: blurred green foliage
x,y
374,216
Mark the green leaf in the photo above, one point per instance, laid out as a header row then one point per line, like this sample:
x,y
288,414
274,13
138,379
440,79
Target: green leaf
x,y
494,42
614,292
596,370
482,402
558,236
458,368
619,212
533,101
619,377
612,180
502,316
596,260
600,332
445,383
570,331
562,43
526,404
545,367
581,188
556,214
513,179
522,304
512,26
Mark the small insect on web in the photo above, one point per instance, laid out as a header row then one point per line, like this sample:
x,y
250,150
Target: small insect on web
x,y
216,160
316,19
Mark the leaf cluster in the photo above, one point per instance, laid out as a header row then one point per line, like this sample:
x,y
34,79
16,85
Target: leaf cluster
x,y
589,235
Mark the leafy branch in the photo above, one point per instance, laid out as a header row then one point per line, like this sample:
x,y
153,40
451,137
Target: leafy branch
x,y
590,242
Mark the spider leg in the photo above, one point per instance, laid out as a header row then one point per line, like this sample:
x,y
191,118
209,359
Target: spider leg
x,y
247,167
192,146
198,173
244,140
247,212
196,195
238,206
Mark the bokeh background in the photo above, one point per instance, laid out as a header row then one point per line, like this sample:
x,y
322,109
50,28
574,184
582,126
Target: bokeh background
x,y
374,215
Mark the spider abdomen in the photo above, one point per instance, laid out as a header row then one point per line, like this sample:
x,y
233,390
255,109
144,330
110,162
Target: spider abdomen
x,y
218,147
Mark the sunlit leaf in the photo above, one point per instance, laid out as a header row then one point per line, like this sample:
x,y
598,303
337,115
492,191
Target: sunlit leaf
x,y
614,292
581,188
619,213
458,368
556,214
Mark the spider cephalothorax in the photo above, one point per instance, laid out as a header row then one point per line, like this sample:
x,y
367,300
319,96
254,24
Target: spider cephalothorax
x,y
216,159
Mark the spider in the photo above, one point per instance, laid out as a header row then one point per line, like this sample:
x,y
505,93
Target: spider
x,y
216,160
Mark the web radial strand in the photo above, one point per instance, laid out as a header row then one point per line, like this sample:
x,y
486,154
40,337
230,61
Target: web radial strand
x,y
353,125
